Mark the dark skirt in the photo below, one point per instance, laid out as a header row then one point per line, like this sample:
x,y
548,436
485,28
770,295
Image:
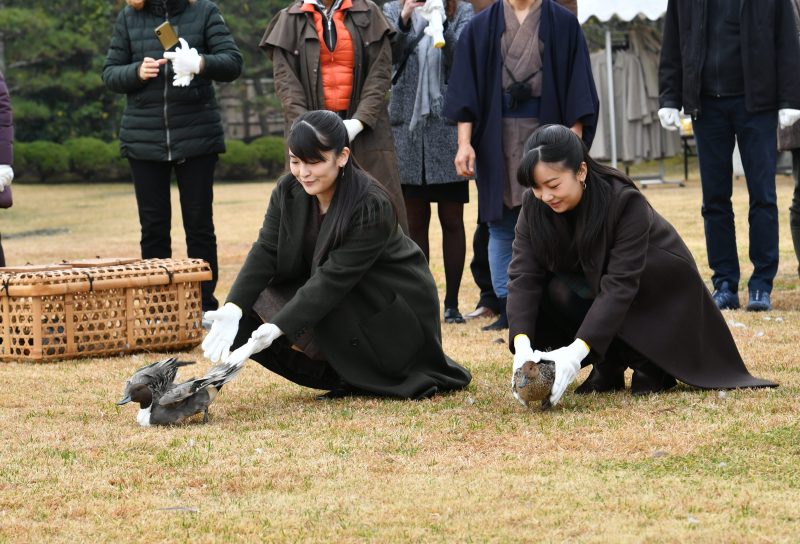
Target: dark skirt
x,y
457,191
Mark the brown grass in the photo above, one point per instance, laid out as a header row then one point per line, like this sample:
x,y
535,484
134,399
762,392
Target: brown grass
x,y
275,465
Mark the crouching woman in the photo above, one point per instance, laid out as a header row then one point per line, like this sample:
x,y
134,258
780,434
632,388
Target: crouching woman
x,y
333,295
598,274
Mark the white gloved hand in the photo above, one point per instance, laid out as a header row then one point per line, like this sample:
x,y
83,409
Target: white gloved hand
x,y
787,117
523,352
354,128
260,339
670,118
6,176
181,79
186,62
217,343
433,12
568,364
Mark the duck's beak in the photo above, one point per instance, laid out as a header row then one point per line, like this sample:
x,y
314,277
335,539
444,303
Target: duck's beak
x,y
125,400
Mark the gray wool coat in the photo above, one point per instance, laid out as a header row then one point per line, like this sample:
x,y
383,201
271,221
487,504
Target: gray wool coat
x,y
433,144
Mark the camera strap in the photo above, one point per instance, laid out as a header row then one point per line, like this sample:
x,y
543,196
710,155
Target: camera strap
x,y
407,53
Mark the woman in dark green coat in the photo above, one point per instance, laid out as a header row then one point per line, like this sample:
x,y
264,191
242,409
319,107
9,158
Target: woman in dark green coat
x,y
333,295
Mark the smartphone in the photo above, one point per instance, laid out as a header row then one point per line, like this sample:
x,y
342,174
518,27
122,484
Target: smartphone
x,y
166,35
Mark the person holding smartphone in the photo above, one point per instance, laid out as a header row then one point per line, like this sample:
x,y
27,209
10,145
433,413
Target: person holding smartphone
x,y
172,122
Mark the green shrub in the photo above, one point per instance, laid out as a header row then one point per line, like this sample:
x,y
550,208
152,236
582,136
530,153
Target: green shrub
x,y
90,158
271,152
48,161
119,169
240,161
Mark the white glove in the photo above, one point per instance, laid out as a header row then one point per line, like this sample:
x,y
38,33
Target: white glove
x,y
523,352
6,176
186,62
787,117
261,339
670,118
354,128
217,343
433,12
568,364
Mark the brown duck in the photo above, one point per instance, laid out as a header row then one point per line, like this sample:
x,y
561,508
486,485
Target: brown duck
x,y
532,382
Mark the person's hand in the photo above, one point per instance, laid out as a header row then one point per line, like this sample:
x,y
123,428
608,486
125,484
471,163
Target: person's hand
x,y
465,160
186,62
523,352
6,176
787,117
354,128
260,339
670,118
217,343
568,364
408,8
150,67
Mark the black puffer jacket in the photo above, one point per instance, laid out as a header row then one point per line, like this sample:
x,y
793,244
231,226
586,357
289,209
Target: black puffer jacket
x,y
770,55
162,122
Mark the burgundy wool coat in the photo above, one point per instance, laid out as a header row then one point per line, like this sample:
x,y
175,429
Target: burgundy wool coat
x,y
646,288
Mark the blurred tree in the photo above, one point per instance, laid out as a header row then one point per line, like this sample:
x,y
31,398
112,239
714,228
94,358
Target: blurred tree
x,y
53,51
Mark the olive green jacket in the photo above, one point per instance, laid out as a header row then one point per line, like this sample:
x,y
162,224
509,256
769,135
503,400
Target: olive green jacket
x,y
370,302
292,43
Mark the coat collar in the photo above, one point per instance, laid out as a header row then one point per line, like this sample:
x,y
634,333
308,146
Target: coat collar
x,y
298,206
357,6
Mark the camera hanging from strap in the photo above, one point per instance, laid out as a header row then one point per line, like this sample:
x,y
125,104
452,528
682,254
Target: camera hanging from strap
x,y
519,91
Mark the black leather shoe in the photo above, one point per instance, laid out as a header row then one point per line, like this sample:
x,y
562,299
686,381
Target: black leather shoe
x,y
648,379
452,315
604,377
499,325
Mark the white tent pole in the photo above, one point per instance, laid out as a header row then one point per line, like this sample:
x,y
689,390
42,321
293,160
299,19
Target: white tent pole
x,y
612,114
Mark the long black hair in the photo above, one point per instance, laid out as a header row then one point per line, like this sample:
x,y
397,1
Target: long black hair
x,y
557,144
315,133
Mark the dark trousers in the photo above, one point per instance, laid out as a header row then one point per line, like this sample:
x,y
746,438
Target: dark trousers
x,y
562,311
195,177
481,272
794,210
2,255
721,122
287,362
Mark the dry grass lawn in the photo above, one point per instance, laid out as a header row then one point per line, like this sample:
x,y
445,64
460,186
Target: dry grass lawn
x,y
276,465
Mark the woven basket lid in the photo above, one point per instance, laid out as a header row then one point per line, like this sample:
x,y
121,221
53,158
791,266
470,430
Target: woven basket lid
x,y
34,268
98,261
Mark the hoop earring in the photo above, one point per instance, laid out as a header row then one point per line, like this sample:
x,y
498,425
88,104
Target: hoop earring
x,y
583,184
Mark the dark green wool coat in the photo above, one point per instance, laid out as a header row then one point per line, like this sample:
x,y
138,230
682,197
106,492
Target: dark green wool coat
x,y
162,122
370,302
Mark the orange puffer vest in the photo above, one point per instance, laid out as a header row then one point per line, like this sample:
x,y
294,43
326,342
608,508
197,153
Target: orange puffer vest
x,y
336,67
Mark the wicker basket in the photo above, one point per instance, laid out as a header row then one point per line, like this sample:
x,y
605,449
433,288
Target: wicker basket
x,y
69,311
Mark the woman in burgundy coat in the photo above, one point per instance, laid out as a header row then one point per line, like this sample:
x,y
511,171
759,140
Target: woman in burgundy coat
x,y
598,274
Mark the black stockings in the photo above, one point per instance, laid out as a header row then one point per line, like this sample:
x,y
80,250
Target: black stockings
x,y
454,243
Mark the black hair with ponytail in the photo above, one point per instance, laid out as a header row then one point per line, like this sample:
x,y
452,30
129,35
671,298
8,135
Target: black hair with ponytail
x,y
557,144
315,133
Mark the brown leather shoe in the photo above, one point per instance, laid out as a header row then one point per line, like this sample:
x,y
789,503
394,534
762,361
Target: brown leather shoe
x,y
480,312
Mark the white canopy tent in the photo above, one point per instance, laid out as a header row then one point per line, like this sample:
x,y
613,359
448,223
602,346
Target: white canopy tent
x,y
625,10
